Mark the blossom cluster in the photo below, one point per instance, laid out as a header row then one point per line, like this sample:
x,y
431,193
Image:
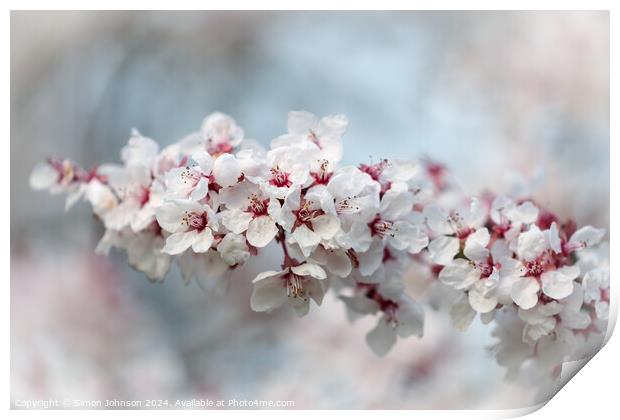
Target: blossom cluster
x,y
215,199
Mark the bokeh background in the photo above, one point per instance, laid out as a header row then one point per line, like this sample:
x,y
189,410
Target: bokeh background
x,y
506,99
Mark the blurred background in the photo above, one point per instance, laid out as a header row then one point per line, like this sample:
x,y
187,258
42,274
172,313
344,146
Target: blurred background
x,y
505,99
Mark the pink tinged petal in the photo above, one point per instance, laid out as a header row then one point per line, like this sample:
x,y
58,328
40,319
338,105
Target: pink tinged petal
x,y
558,284
43,176
531,244
179,242
588,236
371,260
261,231
553,236
382,338
525,292
204,160
236,221
443,249
269,292
203,242
226,170
462,314
459,274
475,245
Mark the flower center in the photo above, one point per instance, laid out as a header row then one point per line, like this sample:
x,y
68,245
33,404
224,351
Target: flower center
x,y
305,214
485,268
295,286
217,149
196,220
374,170
381,228
457,223
534,268
258,206
347,205
279,178
322,176
190,176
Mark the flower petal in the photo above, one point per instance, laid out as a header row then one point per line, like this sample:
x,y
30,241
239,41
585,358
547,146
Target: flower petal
x,y
370,260
226,170
476,245
442,249
179,242
558,284
203,241
236,221
261,231
382,338
525,292
531,244
269,292
588,236
43,176
459,274
309,269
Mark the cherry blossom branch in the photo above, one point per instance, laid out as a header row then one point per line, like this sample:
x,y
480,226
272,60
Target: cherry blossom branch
x,y
212,200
